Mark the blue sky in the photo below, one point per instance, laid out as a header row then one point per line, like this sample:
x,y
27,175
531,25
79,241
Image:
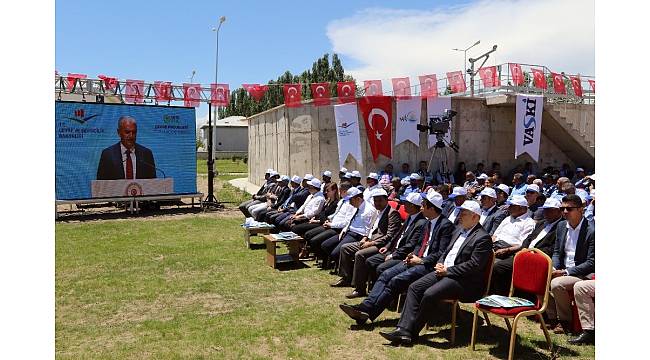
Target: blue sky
x,y
164,40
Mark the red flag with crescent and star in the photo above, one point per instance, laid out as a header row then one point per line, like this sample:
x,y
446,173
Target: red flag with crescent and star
x,y
517,74
219,94
558,83
377,112
110,83
256,91
577,85
592,83
428,86
320,92
134,91
162,90
489,76
346,91
372,87
456,81
72,79
539,80
292,93
402,87
192,95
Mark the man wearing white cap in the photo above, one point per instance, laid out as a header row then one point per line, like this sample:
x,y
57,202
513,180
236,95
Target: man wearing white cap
x,y
310,208
274,198
403,243
358,227
457,275
294,185
298,200
503,191
385,227
274,178
327,179
515,228
355,179
372,181
414,185
541,238
458,195
392,282
491,215
261,192
532,195
342,172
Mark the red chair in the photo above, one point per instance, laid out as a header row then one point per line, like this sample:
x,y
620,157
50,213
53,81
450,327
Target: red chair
x,y
402,213
393,204
531,273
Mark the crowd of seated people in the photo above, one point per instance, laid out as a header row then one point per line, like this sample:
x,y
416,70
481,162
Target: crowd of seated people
x,y
400,233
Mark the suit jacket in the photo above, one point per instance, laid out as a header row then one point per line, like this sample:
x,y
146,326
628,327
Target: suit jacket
x,y
585,256
494,218
328,209
411,239
389,226
471,260
439,241
300,196
547,244
270,186
282,193
447,207
111,168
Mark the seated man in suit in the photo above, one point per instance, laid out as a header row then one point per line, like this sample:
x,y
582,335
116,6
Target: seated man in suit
x,y
574,259
385,227
299,199
273,198
392,282
243,207
404,241
271,187
514,229
457,275
491,215
284,199
126,159
309,209
542,238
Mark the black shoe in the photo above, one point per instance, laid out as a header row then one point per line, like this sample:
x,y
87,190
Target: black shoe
x,y
587,337
354,312
355,294
341,283
398,336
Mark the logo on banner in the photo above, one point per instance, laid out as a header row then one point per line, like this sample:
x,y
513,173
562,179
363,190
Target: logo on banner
x,y
133,189
528,129
80,118
343,129
409,116
529,121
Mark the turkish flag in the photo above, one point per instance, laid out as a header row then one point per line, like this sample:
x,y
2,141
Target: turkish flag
x,y
577,86
134,91
592,83
219,94
192,95
490,76
372,88
558,83
110,83
320,92
402,88
292,93
456,81
517,74
162,90
256,91
346,91
72,79
539,80
428,85
377,112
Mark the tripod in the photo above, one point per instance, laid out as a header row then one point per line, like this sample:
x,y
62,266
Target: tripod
x,y
439,155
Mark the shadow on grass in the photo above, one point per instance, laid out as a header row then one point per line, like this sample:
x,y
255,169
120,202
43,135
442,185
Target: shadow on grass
x,y
113,213
288,265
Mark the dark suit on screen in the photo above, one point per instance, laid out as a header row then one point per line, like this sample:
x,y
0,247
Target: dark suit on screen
x,y
111,166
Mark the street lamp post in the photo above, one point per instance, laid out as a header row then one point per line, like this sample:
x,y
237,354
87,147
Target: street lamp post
x,y
211,200
465,58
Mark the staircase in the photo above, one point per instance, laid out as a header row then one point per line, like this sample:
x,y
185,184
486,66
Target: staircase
x,y
572,128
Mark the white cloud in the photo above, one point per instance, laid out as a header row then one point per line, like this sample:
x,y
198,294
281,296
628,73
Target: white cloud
x,y
389,43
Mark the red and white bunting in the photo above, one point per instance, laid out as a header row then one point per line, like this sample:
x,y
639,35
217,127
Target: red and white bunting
x,y
456,81
428,85
592,83
372,88
517,74
192,95
346,92
292,95
558,83
134,91
256,91
110,83
577,86
490,76
539,80
162,90
219,94
320,92
402,88
72,79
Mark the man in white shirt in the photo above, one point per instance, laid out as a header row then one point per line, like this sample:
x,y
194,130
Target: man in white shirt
x,y
491,215
515,228
372,182
310,208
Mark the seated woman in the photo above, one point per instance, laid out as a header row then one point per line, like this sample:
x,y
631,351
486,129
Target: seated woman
x,y
332,198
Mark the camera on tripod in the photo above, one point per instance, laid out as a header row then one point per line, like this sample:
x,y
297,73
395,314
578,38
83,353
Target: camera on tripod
x,y
438,124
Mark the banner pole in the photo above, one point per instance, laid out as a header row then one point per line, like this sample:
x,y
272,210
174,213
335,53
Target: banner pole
x,y
211,200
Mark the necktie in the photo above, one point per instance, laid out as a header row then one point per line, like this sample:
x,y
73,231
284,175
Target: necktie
x,y
129,165
425,239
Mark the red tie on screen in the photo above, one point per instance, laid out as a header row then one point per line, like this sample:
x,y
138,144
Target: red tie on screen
x,y
129,165
425,239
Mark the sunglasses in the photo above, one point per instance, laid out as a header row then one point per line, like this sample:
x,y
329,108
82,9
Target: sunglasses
x,y
567,208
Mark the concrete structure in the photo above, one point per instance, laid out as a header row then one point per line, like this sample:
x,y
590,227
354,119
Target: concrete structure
x,y
303,140
229,135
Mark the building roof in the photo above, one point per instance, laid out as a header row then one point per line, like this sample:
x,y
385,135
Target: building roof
x,y
236,121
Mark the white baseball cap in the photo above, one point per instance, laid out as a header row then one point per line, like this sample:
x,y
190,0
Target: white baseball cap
x,y
532,187
356,174
482,176
580,169
472,206
347,175
458,191
309,176
352,192
373,175
415,176
274,173
379,192
504,188
414,198
268,171
518,200
284,178
405,181
296,179
435,198
488,191
551,203
314,182
343,170
327,173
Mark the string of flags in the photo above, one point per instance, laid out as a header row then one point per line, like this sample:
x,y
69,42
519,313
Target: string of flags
x,y
345,91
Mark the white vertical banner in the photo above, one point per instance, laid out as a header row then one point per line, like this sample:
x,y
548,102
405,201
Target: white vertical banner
x,y
528,131
435,108
347,132
408,118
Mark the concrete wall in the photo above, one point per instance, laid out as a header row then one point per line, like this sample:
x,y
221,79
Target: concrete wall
x,y
303,140
230,138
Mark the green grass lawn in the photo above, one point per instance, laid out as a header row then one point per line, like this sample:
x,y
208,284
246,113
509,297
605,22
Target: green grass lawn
x,y
223,166
188,288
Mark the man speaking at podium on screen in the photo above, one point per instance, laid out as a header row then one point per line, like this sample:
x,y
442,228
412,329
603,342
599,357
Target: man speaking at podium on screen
x,y
126,159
